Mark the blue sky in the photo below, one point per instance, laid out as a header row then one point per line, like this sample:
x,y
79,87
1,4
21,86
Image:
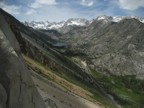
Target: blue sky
x,y
59,10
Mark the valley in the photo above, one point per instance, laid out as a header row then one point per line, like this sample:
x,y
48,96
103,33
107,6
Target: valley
x,y
80,64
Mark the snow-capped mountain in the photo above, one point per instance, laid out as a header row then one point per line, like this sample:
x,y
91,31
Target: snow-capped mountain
x,y
44,24
70,24
48,25
118,18
104,17
77,22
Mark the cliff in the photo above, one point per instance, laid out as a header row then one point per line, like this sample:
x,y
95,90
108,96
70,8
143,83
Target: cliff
x,y
17,89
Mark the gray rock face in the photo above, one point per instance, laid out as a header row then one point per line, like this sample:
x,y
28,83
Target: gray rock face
x,y
17,90
3,96
50,103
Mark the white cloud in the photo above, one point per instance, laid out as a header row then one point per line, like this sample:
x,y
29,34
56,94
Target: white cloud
x,y
131,4
47,2
35,5
39,3
94,13
30,12
51,13
12,9
87,3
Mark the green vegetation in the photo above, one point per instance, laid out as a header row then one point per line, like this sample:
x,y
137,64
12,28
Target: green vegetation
x,y
127,90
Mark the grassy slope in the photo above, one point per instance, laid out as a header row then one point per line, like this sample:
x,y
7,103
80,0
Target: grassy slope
x,y
67,84
127,90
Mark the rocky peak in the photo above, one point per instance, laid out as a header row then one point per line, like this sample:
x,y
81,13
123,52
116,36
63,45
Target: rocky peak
x,y
77,22
104,18
117,18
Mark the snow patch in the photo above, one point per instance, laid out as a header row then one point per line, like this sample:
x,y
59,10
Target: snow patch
x,y
84,63
118,18
54,25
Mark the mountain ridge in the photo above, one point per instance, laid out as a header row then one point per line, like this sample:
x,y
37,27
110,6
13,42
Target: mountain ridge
x,y
76,22
60,26
102,39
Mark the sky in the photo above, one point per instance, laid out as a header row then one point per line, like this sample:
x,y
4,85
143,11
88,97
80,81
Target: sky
x,y
60,10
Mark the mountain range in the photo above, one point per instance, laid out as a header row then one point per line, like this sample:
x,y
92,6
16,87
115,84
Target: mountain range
x,y
63,26
72,64
110,46
75,22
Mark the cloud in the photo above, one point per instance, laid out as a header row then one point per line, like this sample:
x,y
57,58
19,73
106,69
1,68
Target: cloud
x,y
30,12
50,13
12,9
58,10
87,3
47,2
131,4
39,3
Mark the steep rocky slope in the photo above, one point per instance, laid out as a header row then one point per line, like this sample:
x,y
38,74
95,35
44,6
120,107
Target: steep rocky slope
x,y
17,89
